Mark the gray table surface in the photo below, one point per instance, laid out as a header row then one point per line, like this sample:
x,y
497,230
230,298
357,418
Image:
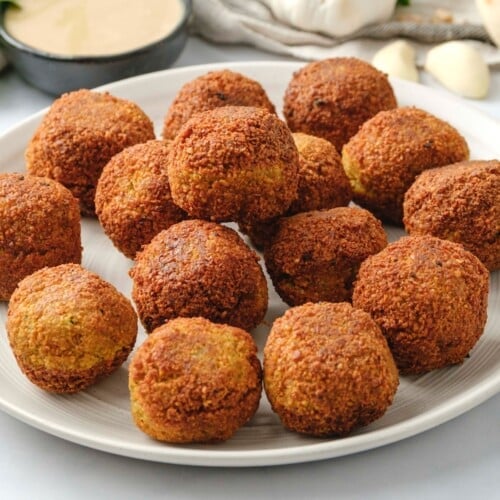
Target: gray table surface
x,y
459,459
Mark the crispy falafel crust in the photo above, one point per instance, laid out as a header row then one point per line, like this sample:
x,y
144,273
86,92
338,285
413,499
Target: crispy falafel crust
x,y
67,328
39,226
460,203
332,98
383,159
194,381
213,90
133,200
328,369
199,268
79,135
322,184
315,256
234,163
429,296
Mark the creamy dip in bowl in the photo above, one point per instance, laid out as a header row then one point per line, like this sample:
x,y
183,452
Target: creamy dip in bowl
x,y
62,45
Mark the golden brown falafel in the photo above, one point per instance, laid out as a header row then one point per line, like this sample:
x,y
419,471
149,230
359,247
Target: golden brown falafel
x,y
67,328
315,256
460,203
199,268
390,150
322,184
79,135
194,381
328,369
133,200
39,226
429,296
234,163
332,98
213,90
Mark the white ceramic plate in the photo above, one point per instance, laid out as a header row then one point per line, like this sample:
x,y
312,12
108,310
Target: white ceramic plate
x,y
100,417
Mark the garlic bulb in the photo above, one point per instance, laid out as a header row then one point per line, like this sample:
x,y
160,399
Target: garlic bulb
x,y
490,14
460,68
397,59
333,17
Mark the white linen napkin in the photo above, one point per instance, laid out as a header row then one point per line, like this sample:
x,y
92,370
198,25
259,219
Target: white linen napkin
x,y
252,22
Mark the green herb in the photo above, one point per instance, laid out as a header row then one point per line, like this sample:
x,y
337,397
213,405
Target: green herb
x,y
405,3
10,3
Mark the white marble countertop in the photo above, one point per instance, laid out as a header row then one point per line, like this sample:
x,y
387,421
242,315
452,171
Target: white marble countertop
x,y
459,459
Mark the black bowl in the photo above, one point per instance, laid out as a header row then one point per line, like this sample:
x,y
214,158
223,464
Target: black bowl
x,y
57,74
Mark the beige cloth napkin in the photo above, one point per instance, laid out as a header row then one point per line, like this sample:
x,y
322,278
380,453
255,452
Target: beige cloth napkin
x,y
252,22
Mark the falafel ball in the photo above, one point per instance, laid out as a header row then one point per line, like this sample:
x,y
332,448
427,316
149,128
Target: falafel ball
x,y
328,369
68,327
79,135
429,296
383,159
213,90
460,203
234,164
315,256
39,226
199,268
332,98
194,381
133,200
322,184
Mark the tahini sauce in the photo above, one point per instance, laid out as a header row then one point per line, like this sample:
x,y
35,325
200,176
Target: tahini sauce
x,y
92,27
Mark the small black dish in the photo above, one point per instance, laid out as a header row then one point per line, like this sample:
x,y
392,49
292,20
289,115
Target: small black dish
x,y
57,74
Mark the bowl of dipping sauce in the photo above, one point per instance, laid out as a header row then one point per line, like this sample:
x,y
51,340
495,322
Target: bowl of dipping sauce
x,y
63,45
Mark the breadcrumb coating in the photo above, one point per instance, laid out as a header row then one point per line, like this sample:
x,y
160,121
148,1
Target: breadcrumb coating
x,y
194,381
315,256
429,296
460,203
328,369
213,90
332,98
81,132
234,164
67,328
383,159
133,200
39,226
199,268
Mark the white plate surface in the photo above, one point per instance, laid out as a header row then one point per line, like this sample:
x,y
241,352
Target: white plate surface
x,y
100,417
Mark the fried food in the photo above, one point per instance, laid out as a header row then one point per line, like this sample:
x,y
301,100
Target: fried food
x,y
429,296
194,381
79,135
322,184
315,256
213,90
234,164
67,328
133,200
328,369
383,159
332,98
460,203
199,268
39,226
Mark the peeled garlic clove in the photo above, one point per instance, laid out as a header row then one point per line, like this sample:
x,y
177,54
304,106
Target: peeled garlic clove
x,y
460,68
490,14
397,59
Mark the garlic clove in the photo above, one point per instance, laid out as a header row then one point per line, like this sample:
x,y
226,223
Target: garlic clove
x,y
397,59
490,14
460,68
